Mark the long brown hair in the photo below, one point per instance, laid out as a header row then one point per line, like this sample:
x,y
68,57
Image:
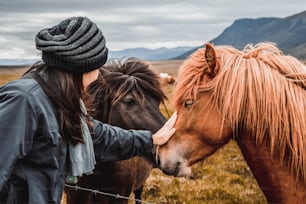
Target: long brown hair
x,y
65,91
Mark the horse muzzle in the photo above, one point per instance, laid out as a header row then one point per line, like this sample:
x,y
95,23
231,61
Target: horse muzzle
x,y
177,169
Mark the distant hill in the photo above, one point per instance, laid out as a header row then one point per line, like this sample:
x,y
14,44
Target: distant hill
x,y
142,53
288,33
149,54
17,62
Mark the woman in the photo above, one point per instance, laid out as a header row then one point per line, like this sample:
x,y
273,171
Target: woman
x,y
46,136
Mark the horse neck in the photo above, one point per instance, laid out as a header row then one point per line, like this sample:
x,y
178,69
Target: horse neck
x,y
273,177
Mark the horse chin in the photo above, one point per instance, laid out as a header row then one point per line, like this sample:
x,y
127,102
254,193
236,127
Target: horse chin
x,y
180,170
185,172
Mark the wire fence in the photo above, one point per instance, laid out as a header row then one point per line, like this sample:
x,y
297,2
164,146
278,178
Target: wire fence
x,y
117,196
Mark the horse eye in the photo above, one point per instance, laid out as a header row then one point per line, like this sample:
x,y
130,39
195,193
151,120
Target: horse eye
x,y
129,101
188,103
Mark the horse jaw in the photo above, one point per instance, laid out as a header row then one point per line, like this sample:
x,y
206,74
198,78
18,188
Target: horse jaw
x,y
185,171
176,158
173,163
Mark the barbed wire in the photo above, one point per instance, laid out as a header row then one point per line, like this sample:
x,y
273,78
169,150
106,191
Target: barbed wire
x,y
117,196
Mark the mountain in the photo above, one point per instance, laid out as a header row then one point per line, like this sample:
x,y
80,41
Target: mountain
x,y
142,53
288,33
149,54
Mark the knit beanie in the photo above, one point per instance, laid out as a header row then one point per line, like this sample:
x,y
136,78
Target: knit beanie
x,y
75,45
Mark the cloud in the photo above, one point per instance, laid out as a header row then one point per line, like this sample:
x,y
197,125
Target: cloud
x,y
132,23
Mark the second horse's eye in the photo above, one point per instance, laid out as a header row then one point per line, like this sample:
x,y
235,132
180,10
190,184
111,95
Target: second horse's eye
x,y
188,103
129,101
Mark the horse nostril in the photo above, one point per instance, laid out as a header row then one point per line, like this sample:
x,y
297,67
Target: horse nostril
x,y
157,160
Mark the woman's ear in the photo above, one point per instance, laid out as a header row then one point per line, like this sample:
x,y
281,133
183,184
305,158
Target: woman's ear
x,y
210,57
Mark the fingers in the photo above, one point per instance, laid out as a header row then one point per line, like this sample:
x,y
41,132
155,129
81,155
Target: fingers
x,y
161,139
172,120
170,133
164,139
164,134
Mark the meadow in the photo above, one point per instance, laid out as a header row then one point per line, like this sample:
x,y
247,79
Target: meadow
x,y
222,178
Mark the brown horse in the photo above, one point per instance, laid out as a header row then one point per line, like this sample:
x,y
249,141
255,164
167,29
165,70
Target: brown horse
x,y
127,94
166,79
256,96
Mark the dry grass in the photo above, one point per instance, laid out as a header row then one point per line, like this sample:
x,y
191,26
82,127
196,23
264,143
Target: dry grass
x,y
222,178
10,73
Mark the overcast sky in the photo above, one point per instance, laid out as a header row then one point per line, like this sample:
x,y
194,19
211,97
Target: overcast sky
x,y
133,23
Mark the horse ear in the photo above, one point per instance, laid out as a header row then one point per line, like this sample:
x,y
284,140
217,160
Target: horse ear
x,y
210,57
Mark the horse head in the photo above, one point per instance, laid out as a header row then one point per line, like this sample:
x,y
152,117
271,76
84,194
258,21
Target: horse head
x,y
200,129
128,95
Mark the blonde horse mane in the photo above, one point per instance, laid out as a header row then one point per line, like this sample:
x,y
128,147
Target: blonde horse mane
x,y
258,89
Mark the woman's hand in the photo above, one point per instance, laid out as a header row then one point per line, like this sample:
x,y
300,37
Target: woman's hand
x,y
163,134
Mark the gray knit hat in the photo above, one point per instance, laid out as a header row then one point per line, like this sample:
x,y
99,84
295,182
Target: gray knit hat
x,y
75,45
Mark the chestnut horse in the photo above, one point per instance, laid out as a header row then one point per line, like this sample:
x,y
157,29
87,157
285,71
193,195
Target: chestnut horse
x,y
256,96
166,79
127,94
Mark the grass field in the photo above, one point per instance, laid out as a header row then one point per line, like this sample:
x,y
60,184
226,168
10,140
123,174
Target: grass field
x,y
223,178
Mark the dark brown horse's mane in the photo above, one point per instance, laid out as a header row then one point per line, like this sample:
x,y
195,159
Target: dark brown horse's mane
x,y
119,78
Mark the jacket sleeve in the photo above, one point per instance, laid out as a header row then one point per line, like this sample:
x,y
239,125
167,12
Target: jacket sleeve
x,y
113,143
17,123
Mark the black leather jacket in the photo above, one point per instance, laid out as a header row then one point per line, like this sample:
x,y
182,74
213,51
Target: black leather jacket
x,y
33,156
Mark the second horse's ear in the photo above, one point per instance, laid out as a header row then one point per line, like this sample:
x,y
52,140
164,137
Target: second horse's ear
x,y
210,57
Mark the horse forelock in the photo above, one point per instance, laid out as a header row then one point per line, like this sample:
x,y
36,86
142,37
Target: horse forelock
x,y
269,95
132,76
189,78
